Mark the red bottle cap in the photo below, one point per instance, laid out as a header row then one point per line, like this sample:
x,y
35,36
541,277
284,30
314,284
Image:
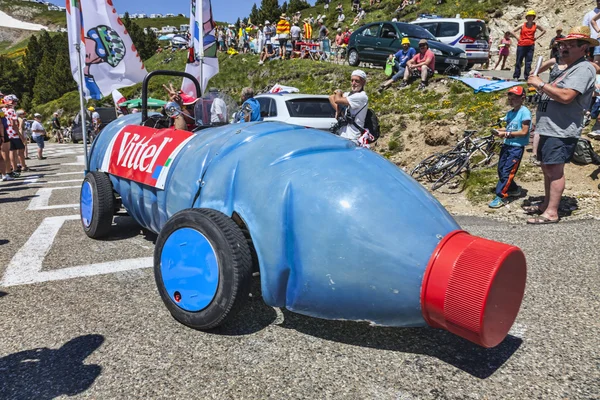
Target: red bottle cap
x,y
473,287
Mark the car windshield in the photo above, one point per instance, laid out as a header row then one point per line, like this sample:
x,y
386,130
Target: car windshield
x,y
415,31
477,30
310,108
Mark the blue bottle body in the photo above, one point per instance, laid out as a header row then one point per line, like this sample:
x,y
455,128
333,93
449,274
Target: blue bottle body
x,y
340,232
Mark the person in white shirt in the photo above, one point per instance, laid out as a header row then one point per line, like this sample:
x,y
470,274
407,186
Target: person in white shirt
x,y
587,21
295,33
351,107
218,109
37,134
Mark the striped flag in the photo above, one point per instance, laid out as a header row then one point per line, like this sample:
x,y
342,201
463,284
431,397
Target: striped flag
x,y
110,60
202,59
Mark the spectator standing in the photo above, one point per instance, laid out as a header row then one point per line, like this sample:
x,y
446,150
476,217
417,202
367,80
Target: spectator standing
x,y
22,118
516,137
250,109
351,107
295,33
4,149
56,128
283,34
96,121
218,108
503,50
260,39
323,31
587,21
560,117
421,65
554,53
526,43
355,5
37,134
401,58
307,30
17,143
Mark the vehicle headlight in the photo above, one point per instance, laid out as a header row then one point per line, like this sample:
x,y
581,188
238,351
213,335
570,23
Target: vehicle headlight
x,y
463,55
437,52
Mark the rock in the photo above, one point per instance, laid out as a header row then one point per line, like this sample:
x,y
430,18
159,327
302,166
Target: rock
x,y
437,135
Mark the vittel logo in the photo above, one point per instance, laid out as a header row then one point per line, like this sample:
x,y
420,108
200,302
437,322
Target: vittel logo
x,y
139,153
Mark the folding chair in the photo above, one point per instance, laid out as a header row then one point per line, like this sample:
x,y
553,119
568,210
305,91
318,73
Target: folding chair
x,y
314,52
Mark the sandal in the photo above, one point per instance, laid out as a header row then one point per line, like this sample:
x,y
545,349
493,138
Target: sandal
x,y
532,210
542,221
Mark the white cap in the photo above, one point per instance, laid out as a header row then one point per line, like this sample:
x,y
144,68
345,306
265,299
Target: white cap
x,y
267,23
394,19
360,73
36,115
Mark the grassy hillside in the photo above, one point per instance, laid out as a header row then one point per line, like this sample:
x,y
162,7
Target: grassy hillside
x,y
483,9
33,12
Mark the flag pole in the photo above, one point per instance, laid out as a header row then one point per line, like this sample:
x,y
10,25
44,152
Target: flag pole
x,y
201,48
82,108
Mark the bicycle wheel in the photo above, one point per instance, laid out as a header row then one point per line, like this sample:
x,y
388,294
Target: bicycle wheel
x,y
489,149
456,173
422,168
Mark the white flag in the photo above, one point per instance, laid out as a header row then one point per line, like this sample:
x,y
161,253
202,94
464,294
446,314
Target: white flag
x,y
109,58
118,98
202,60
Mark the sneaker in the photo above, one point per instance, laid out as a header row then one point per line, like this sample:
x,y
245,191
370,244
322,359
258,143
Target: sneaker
x,y
403,84
422,86
260,63
515,193
496,203
594,134
7,178
14,174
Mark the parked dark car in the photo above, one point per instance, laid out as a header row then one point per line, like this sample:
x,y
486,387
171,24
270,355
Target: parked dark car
x,y
107,115
374,42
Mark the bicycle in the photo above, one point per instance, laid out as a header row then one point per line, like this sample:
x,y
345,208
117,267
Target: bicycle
x,y
454,165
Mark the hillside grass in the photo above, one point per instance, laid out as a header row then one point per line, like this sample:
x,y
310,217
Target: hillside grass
x,y
39,12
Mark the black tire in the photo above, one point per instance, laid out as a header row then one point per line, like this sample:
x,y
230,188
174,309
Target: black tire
x,y
353,58
97,219
458,169
422,169
233,260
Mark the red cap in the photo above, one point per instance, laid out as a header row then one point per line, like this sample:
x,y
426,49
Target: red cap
x,y
473,287
187,100
518,90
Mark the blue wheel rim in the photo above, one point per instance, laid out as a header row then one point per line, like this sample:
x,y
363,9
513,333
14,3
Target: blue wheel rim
x,y
189,269
86,203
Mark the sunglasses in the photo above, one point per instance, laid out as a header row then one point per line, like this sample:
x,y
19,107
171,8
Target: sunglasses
x,y
422,45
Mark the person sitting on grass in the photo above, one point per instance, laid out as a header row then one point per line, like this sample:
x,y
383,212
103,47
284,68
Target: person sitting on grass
x,y
401,58
421,65
359,17
516,137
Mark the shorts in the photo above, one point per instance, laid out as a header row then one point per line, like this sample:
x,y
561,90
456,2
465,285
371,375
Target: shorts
x,y
16,144
39,140
282,43
269,48
554,150
6,138
504,52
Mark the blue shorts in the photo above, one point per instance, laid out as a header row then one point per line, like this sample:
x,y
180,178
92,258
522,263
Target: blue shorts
x,y
554,150
39,140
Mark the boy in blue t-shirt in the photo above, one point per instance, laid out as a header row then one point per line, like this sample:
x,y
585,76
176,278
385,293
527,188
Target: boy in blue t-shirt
x,y
516,137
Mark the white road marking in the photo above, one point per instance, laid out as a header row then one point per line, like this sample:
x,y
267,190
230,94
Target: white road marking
x,y
42,197
26,266
66,173
80,161
67,181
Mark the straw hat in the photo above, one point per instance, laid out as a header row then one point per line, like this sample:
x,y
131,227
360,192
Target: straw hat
x,y
580,33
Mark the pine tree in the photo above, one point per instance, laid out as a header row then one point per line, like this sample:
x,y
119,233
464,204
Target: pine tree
x,y
255,16
31,61
45,88
11,77
284,7
151,45
270,10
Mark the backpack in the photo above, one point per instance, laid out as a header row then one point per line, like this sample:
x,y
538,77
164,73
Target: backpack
x,y
584,153
372,124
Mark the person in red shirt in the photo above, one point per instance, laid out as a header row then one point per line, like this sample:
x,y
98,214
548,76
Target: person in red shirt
x,y
421,65
526,43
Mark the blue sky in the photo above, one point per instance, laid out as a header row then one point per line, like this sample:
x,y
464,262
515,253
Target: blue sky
x,y
223,10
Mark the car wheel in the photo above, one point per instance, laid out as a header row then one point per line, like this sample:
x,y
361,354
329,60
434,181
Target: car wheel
x,y
353,59
96,204
202,267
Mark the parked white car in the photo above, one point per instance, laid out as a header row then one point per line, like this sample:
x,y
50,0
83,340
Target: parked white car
x,y
470,35
311,111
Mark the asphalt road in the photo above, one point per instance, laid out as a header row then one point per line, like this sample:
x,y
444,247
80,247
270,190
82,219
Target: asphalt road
x,y
66,330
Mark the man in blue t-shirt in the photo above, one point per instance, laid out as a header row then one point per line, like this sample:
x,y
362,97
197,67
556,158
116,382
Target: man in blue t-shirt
x,y
403,55
516,137
250,109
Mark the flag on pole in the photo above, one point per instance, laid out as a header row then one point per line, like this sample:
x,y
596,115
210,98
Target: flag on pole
x,y
108,56
202,62
118,98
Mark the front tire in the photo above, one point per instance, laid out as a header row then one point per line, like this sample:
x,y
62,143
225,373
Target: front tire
x,y
202,268
353,59
96,204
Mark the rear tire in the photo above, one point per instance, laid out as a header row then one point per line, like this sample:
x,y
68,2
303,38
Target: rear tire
x,y
457,173
202,267
353,59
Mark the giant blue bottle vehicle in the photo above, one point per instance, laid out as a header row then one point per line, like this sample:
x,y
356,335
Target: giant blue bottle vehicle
x,y
336,231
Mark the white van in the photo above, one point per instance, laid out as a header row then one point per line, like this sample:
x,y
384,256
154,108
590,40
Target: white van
x,y
470,35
